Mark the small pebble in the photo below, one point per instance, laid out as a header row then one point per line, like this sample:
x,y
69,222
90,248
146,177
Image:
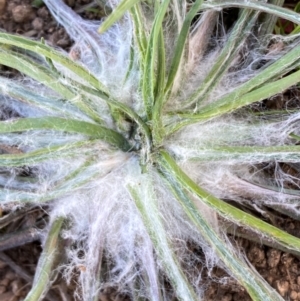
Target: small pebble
x,y
38,23
294,295
273,258
43,12
30,33
282,287
63,43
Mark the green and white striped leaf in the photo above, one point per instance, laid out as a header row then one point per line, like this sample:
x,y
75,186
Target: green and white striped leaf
x,y
117,14
66,125
228,211
142,194
255,285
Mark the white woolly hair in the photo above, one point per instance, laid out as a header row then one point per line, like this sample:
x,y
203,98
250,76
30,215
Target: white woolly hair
x,y
106,227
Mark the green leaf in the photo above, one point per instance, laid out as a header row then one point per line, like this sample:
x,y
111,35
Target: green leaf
x,y
238,35
227,211
262,6
236,99
37,3
269,20
47,77
63,187
233,102
180,44
56,56
253,154
117,14
67,125
255,285
50,104
36,71
149,212
45,266
139,31
149,76
159,93
43,154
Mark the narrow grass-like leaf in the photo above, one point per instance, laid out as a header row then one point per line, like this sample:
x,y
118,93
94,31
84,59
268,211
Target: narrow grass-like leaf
x,y
53,105
180,44
69,184
269,20
253,154
56,56
36,71
22,197
227,104
261,6
117,14
295,136
46,262
234,101
18,183
161,62
152,221
272,71
276,69
238,35
43,154
272,188
225,210
67,125
46,77
257,288
149,80
159,95
139,31
131,64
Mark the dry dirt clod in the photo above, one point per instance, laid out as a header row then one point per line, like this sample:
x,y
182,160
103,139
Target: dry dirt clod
x,y
63,43
227,297
282,287
22,13
2,289
298,280
4,282
38,23
294,295
9,296
30,33
273,258
2,6
257,257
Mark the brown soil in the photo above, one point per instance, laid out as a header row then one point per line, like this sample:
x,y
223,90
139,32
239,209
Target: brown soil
x,y
18,257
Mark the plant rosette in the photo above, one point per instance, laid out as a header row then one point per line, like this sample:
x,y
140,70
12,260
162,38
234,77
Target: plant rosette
x,y
138,136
